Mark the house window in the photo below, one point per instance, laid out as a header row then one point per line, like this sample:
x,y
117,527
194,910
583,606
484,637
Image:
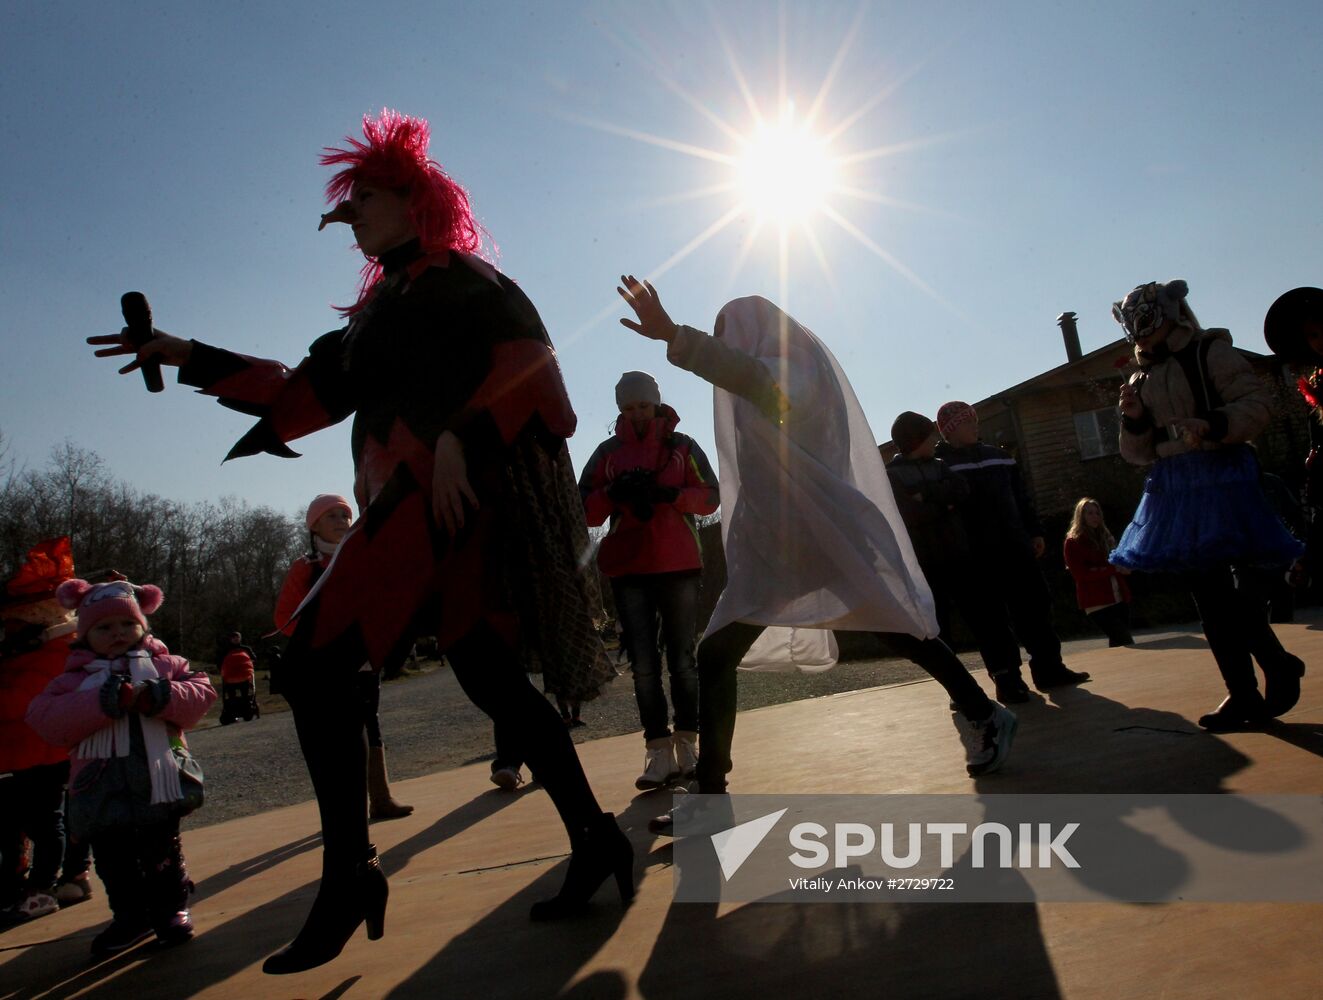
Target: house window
x,y
1098,432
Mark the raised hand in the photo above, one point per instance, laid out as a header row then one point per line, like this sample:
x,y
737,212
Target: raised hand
x,y
162,348
653,321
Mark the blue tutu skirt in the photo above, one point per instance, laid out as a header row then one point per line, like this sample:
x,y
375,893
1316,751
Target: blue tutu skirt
x,y
1202,510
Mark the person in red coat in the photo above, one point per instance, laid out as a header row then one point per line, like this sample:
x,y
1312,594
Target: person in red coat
x,y
652,482
33,773
238,695
1100,587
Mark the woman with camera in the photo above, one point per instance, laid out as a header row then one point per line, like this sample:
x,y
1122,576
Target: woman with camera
x,y
652,483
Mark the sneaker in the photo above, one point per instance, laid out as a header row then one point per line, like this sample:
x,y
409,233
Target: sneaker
x,y
121,935
1011,688
686,752
658,765
987,742
507,778
35,903
176,930
75,890
663,824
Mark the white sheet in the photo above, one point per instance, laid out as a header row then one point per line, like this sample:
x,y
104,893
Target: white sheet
x,y
812,535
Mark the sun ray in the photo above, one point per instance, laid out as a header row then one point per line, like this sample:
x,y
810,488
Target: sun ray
x,y
820,256
841,127
694,194
746,92
835,67
614,305
701,152
644,53
746,246
877,198
696,242
782,82
908,146
896,265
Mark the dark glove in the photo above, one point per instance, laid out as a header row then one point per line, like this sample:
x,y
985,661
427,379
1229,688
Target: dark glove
x,y
633,489
153,697
665,494
116,695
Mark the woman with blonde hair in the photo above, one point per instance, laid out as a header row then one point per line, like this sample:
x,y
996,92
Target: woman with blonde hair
x,y
1100,587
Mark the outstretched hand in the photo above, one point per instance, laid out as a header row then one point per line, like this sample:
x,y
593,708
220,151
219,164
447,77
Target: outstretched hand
x,y
653,323
162,348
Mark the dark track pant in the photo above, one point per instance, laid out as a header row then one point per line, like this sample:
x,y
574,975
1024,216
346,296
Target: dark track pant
x,y
720,653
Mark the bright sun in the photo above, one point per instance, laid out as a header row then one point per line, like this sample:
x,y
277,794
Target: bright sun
x,y
784,173
792,174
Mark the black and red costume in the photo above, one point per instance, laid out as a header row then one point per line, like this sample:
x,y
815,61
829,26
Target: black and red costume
x,y
446,343
443,342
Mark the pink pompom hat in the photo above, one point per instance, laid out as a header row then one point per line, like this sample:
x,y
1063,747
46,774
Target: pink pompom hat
x,y
95,601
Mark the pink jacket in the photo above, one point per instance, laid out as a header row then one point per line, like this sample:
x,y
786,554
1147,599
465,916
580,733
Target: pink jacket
x,y
66,716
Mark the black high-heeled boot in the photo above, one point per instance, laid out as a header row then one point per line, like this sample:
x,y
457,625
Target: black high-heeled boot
x,y
598,851
344,901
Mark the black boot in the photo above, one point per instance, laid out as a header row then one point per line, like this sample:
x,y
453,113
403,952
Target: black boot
x,y
597,851
168,888
1058,675
345,900
1011,688
328,719
1237,712
1281,684
117,866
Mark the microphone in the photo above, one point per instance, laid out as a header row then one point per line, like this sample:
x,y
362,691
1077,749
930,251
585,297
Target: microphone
x,y
138,319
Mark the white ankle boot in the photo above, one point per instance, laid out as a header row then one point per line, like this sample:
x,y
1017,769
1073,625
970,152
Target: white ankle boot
x,y
686,752
658,765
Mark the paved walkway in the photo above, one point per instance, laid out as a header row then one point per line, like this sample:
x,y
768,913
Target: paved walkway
x,y
466,866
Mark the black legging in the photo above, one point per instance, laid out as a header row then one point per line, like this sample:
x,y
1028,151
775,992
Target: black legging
x,y
368,683
720,653
328,716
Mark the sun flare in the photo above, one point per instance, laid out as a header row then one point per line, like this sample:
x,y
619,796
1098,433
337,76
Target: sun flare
x,y
784,173
795,178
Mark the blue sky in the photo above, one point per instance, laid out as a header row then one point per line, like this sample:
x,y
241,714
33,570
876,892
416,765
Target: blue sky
x,y
1046,156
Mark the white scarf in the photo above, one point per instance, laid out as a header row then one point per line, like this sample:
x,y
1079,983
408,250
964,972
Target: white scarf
x,y
113,740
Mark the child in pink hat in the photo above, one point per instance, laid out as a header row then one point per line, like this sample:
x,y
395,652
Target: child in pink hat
x,y
121,706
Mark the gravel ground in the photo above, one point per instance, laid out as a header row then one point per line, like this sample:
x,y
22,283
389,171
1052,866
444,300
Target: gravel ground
x,y
429,725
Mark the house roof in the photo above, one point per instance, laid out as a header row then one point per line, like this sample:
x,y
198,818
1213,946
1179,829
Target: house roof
x,y
1087,368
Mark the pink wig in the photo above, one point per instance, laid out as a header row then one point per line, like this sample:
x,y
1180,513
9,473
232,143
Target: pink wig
x,y
395,157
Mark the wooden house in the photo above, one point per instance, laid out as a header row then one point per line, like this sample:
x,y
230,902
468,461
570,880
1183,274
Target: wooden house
x,y
1063,428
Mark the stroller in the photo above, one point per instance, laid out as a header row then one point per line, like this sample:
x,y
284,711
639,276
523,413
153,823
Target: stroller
x,y
239,694
239,700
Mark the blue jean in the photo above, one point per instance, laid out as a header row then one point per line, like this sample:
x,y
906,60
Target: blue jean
x,y
642,600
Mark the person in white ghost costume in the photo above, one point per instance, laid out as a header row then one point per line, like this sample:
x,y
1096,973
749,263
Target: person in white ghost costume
x,y
812,535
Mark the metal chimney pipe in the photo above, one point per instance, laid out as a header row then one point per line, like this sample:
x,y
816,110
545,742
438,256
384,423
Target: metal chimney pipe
x,y
1071,335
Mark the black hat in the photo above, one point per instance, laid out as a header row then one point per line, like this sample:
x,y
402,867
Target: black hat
x,y
910,430
1281,327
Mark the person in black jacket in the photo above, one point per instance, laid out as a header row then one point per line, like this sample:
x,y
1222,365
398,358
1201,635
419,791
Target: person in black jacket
x,y
1006,541
930,497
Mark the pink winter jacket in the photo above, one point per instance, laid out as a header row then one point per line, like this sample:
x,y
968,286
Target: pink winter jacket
x,y
66,716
